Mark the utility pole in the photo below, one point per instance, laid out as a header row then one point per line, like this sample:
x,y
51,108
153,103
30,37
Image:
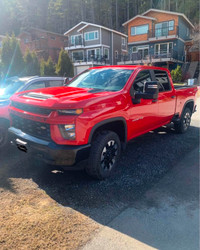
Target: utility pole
x,y
127,9
116,13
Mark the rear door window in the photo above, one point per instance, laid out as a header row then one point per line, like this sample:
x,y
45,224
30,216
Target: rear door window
x,y
54,83
163,81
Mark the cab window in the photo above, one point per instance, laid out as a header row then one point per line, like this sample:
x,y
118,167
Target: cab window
x,y
140,80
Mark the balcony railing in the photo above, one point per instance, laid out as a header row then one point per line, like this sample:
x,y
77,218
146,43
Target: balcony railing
x,y
124,47
160,32
152,57
77,42
95,59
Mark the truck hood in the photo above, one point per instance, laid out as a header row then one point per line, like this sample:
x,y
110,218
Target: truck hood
x,y
62,97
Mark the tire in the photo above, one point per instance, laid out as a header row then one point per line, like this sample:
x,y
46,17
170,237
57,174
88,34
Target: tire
x,y
104,155
183,125
3,135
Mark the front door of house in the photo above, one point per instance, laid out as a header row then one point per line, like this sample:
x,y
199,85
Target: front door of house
x,y
143,53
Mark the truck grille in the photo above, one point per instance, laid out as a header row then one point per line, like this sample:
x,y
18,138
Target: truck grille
x,y
31,109
37,129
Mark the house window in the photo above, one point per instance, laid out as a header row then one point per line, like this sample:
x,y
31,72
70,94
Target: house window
x,y
162,29
116,54
139,30
142,52
106,53
76,40
26,40
188,32
77,55
163,48
171,25
123,41
134,49
94,35
93,54
53,38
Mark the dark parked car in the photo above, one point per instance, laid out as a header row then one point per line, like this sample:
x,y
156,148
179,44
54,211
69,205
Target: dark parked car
x,y
14,85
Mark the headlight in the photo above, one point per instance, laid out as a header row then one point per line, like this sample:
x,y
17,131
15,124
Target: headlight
x,y
68,131
70,111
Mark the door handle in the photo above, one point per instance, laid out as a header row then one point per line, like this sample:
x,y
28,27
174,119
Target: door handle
x,y
173,96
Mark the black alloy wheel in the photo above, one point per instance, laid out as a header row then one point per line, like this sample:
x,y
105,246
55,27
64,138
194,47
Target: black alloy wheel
x,y
183,125
104,155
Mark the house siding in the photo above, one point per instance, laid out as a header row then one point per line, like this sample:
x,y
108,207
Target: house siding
x,y
163,17
92,42
44,43
106,37
137,22
183,26
117,46
75,31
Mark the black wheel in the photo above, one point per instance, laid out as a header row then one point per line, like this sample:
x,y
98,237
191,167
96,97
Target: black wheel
x,y
104,155
183,125
3,135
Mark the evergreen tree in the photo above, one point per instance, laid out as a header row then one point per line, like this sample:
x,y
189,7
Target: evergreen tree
x,y
47,68
42,67
36,64
11,57
32,64
64,66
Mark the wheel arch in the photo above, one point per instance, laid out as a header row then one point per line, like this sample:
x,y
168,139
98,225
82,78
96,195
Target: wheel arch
x,y
188,104
117,125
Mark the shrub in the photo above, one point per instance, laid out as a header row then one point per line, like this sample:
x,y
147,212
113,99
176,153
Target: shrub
x,y
176,74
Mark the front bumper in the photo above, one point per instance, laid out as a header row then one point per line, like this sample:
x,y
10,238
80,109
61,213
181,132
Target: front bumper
x,y
48,151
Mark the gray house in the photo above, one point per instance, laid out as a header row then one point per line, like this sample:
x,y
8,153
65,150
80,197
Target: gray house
x,y
94,45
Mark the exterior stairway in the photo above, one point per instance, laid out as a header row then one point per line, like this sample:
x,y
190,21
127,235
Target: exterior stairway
x,y
192,69
197,73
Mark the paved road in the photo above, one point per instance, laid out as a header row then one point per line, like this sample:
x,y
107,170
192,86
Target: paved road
x,y
145,183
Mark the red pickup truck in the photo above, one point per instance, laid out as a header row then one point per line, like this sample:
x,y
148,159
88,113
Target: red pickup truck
x,y
97,114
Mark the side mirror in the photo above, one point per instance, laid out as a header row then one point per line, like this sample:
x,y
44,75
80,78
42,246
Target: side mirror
x,y
150,91
67,81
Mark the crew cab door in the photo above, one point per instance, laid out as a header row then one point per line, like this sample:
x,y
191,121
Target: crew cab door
x,y
166,96
143,116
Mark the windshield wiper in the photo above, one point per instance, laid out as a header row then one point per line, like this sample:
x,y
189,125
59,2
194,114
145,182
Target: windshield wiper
x,y
95,90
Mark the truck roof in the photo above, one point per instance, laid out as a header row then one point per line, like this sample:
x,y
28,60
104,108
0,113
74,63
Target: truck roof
x,y
130,67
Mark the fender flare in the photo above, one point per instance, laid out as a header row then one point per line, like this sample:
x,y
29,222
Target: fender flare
x,y
107,121
188,101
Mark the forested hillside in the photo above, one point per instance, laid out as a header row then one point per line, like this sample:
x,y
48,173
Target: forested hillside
x,y
60,15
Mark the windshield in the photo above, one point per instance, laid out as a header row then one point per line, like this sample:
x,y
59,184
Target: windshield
x,y
9,88
102,79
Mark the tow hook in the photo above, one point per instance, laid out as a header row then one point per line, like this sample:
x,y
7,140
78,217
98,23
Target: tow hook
x,y
21,145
